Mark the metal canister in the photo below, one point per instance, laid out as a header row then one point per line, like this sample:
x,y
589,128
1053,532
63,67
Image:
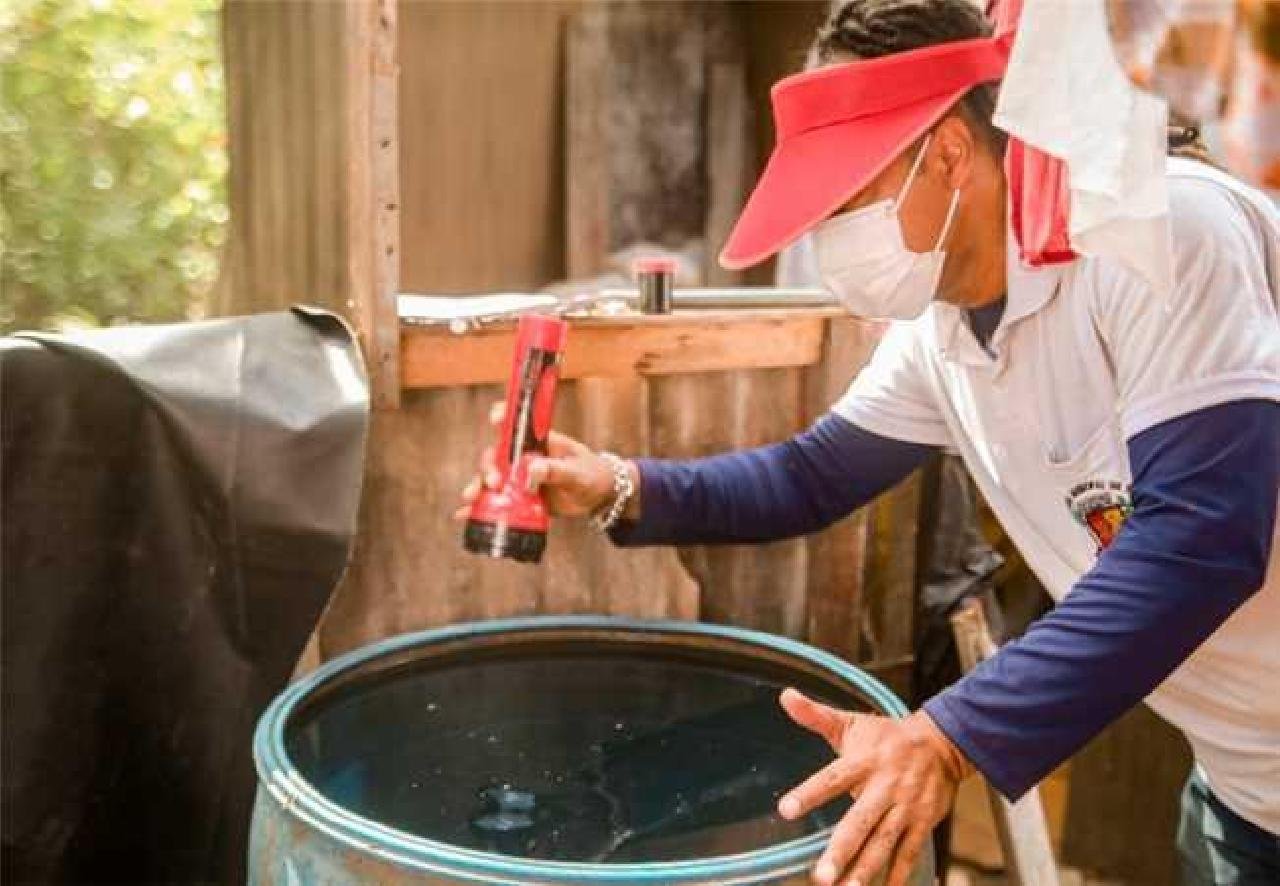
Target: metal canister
x,y
656,278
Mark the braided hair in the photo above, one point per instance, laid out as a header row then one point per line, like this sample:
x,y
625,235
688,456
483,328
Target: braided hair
x,y
860,29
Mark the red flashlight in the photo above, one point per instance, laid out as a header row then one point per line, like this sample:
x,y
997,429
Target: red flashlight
x,y
511,521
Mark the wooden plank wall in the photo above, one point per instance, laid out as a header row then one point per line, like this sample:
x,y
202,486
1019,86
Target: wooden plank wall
x,y
1123,806
484,185
286,105
482,125
777,34
372,207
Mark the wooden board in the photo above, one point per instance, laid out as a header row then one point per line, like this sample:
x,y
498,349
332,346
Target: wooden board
x,y
286,106
485,173
777,35
311,99
410,571
1022,826
373,192
481,128
692,341
1122,812
837,558
635,93
758,586
730,137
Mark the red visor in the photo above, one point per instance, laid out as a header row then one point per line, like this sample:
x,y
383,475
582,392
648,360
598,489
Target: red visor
x,y
839,126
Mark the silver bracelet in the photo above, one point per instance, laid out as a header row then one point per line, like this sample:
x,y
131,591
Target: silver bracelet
x,y
605,518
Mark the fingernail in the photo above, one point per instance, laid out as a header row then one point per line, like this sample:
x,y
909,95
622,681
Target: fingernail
x,y
789,807
492,479
826,872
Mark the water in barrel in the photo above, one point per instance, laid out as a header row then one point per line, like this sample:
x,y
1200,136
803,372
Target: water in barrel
x,y
618,757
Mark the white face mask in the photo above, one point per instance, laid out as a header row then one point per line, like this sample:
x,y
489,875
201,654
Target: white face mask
x,y
864,261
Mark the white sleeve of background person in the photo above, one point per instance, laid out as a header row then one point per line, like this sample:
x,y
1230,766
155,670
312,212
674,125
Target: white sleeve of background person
x,y
890,397
1216,338
1066,93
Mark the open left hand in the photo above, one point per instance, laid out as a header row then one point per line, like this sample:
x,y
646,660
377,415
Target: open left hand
x,y
904,775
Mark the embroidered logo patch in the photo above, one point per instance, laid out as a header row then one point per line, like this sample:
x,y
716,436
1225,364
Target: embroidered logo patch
x,y
1101,507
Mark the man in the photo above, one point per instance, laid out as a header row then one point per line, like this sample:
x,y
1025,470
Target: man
x,y
1128,441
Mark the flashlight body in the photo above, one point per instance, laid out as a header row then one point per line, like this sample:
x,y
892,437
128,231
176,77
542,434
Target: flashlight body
x,y
511,521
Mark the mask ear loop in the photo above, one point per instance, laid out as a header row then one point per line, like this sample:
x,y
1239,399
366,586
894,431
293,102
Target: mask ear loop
x,y
942,235
946,223
911,176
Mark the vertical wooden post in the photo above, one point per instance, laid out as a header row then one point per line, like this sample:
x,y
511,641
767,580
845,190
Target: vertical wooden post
x,y
1024,833
838,557
373,191
730,143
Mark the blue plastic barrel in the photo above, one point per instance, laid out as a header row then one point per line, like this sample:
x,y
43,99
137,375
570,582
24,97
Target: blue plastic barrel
x,y
556,750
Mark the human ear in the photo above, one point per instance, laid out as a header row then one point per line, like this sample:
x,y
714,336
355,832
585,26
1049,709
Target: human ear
x,y
954,153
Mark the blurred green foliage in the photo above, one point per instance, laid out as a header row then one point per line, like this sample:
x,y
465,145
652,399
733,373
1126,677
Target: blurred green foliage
x,y
112,160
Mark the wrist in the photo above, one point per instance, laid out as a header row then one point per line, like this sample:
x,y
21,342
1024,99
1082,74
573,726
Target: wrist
x,y
622,487
632,510
953,760
604,497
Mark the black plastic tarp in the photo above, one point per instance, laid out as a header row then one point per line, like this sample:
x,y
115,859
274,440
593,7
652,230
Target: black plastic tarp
x,y
178,502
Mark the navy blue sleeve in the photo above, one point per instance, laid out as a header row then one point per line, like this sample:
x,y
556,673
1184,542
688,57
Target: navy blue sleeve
x,y
1194,549
779,491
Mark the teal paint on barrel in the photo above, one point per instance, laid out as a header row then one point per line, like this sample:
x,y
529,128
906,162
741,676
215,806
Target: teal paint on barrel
x,y
551,750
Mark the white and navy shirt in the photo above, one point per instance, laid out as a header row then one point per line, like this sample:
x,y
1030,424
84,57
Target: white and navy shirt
x,y
1085,360
1130,445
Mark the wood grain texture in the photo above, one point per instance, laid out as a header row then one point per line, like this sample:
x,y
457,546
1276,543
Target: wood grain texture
x,y
311,91
373,192
496,136
887,613
1122,812
618,169
286,104
639,160
482,210
410,571
623,347
481,160
730,135
634,150
837,563
777,35
587,179
1022,826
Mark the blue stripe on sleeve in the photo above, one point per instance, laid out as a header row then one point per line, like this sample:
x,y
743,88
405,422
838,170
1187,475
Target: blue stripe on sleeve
x,y
779,491
1193,550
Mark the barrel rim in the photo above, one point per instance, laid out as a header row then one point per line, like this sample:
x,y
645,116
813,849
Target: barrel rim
x,y
298,798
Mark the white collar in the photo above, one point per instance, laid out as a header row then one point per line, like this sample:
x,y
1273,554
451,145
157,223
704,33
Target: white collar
x,y
1027,291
